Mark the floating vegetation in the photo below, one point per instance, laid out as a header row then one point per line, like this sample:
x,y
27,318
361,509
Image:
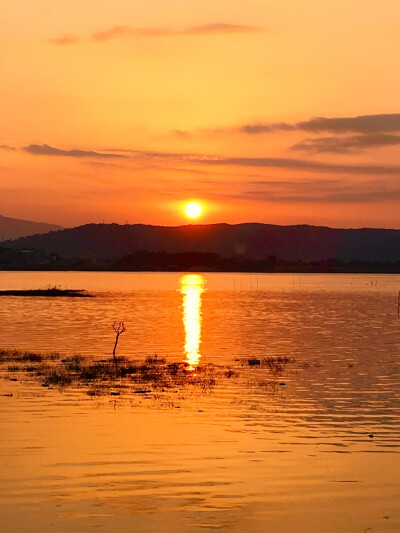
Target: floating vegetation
x,y
229,373
105,376
275,364
51,292
19,356
153,375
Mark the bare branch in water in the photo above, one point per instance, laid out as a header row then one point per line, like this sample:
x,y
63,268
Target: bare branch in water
x,y
118,331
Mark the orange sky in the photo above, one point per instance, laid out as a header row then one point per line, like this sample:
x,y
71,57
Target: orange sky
x,y
124,110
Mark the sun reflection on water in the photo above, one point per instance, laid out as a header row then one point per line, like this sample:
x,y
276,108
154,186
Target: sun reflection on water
x,y
192,287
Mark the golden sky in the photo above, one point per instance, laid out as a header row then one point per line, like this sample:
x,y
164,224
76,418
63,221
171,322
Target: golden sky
x,y
272,111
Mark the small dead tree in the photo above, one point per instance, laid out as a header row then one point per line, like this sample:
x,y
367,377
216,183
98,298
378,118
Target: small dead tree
x,y
119,329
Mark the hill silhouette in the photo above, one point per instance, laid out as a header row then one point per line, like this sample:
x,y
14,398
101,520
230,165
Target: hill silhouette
x,y
250,241
12,228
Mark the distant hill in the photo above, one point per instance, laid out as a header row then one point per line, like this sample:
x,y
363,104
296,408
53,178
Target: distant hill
x,y
252,241
13,228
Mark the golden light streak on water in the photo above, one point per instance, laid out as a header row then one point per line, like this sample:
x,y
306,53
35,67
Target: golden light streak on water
x,y
192,287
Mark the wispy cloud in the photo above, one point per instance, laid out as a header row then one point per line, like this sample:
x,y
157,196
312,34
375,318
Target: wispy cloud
x,y
360,124
45,149
372,131
218,28
149,158
265,127
366,124
207,160
305,191
121,31
320,191
65,40
124,30
6,147
302,164
350,144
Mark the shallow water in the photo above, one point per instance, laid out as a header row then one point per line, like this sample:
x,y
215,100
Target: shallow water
x,y
312,449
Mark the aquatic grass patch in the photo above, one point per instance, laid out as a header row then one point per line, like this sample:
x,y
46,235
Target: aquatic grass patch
x,y
270,386
57,376
155,360
104,376
20,356
275,364
14,368
229,373
73,363
153,374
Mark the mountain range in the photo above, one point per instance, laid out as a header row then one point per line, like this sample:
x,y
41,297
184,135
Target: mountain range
x,y
13,228
250,241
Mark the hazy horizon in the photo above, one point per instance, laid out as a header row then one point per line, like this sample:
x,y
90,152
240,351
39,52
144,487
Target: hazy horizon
x,y
193,223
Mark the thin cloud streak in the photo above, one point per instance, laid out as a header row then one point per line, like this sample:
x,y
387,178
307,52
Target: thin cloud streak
x,y
308,191
369,132
360,124
315,190
6,147
366,124
65,40
218,28
260,127
218,161
301,164
343,145
205,29
343,196
289,191
131,31
265,162
45,149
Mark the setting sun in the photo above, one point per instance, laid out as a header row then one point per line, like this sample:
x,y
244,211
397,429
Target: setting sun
x,y
193,209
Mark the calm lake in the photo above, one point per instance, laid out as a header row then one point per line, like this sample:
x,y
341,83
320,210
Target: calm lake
x,y
313,448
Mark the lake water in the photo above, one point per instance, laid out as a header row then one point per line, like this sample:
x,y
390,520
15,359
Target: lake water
x,y
313,449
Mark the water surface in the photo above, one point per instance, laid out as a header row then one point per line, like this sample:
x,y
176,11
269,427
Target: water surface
x,y
314,448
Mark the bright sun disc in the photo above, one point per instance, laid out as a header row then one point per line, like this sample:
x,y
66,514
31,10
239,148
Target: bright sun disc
x,y
193,209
